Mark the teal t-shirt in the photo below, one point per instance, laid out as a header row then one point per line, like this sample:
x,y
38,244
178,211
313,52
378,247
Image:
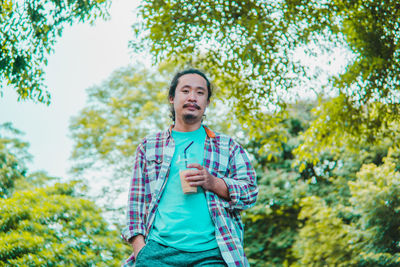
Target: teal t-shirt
x,y
183,221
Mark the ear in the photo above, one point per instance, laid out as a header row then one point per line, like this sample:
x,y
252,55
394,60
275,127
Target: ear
x,y
208,102
171,100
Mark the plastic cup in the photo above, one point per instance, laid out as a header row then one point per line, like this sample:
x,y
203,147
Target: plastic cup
x,y
183,170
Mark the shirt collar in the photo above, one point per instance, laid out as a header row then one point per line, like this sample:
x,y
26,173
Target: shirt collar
x,y
209,132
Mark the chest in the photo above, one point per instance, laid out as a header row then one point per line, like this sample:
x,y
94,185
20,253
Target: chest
x,y
159,159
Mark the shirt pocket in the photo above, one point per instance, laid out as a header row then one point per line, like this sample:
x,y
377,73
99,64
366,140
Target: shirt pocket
x,y
220,168
153,166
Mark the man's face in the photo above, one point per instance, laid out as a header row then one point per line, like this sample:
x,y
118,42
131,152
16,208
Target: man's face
x,y
191,98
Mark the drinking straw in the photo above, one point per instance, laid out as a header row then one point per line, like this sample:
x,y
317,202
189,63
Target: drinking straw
x,y
184,152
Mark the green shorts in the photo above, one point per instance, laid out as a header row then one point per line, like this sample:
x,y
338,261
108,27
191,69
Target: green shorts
x,y
155,254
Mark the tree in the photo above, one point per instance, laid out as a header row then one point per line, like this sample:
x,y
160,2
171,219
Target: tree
x,y
52,226
272,225
324,240
119,112
313,216
45,222
365,232
28,31
251,46
376,200
13,157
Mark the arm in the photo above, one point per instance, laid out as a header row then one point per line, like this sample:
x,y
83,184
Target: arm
x,y
241,179
238,190
137,198
209,182
220,188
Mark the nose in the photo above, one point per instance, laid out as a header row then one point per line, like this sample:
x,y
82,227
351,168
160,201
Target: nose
x,y
192,96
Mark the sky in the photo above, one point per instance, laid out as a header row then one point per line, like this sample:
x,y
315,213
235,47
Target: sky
x,y
84,56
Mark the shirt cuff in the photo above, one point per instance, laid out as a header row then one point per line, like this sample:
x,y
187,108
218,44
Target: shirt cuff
x,y
128,232
234,194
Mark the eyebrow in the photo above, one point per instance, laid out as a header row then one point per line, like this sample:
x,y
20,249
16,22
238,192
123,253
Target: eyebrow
x,y
199,87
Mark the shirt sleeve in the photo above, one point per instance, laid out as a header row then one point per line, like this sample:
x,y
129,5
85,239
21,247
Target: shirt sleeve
x,y
241,180
137,197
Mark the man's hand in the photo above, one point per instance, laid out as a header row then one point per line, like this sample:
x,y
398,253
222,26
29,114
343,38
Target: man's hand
x,y
201,177
137,243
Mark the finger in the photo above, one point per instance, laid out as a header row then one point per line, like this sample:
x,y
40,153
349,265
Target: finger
x,y
200,183
195,165
192,173
195,178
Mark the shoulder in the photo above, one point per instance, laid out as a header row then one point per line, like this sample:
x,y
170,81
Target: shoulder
x,y
226,141
220,137
153,139
156,137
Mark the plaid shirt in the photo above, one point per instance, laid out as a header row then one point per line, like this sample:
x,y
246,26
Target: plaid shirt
x,y
223,158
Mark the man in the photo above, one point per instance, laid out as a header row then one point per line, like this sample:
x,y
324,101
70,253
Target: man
x,y
169,228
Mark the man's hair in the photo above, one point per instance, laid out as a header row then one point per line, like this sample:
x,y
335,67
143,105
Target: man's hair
x,y
174,84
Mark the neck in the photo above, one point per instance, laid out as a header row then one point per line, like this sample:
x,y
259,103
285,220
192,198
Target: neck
x,y
184,127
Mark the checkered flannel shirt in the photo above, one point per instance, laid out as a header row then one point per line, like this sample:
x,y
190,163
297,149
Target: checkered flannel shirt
x,y
224,159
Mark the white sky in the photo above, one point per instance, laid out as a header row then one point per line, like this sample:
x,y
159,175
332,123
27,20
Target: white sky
x,y
84,56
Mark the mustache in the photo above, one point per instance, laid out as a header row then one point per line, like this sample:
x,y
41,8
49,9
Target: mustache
x,y
192,105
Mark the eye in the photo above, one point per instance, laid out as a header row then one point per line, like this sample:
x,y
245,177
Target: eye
x,y
185,90
200,92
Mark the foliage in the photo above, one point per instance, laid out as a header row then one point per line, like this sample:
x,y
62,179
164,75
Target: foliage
x,y
376,200
49,225
349,126
272,225
13,157
364,233
250,47
316,216
119,113
28,31
324,240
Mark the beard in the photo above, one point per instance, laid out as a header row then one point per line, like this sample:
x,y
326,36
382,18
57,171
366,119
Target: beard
x,y
190,118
